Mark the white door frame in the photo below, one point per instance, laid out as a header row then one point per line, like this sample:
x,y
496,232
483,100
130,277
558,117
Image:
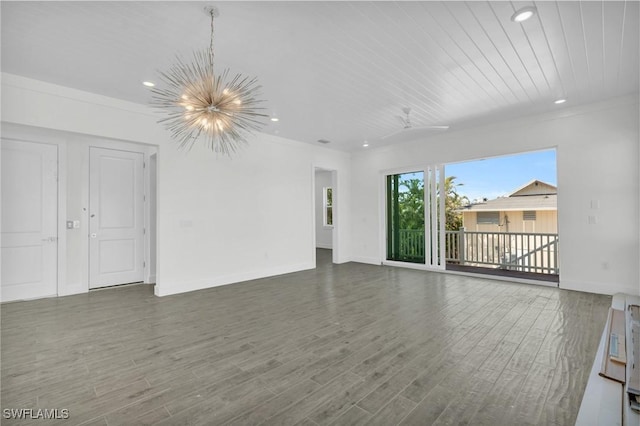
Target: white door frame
x,y
146,151
151,216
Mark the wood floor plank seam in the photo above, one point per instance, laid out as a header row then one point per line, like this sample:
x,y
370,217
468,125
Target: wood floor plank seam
x,y
104,414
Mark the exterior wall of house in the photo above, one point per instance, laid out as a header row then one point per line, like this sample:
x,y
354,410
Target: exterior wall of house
x,y
535,251
546,222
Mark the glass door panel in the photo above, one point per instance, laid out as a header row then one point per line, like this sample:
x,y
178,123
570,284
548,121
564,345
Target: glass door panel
x,y
405,217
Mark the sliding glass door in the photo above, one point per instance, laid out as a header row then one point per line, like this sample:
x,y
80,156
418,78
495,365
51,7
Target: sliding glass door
x,y
415,217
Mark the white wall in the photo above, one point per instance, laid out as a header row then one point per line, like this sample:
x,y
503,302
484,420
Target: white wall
x,y
232,220
324,237
219,220
597,156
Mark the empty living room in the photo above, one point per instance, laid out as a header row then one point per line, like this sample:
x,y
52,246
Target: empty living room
x,y
253,212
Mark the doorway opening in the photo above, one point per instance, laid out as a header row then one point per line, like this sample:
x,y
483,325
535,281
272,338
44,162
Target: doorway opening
x,y
495,216
405,213
502,216
324,216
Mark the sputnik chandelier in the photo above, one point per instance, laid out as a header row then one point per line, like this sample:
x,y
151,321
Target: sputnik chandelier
x,y
199,104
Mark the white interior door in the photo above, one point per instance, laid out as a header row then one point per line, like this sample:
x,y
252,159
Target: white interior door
x,y
29,220
116,217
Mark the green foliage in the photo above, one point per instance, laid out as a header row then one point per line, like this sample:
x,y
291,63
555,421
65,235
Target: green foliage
x,y
329,206
453,203
411,204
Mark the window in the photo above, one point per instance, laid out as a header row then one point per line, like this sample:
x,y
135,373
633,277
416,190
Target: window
x,y
529,215
327,206
488,218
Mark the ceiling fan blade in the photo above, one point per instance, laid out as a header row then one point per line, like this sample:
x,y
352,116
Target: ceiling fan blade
x,y
414,133
433,127
392,135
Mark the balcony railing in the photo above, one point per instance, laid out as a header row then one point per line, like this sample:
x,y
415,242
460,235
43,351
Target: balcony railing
x,y
513,251
411,245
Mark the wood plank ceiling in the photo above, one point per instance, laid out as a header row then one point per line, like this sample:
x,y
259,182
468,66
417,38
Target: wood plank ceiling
x,y
342,71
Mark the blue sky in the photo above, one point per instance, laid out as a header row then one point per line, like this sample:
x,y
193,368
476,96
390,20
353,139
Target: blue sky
x,y
498,176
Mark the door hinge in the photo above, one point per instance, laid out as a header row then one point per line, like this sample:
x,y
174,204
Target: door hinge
x,y
144,165
144,264
144,231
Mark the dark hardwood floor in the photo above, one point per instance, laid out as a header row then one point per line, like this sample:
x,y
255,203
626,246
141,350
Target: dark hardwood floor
x,y
342,344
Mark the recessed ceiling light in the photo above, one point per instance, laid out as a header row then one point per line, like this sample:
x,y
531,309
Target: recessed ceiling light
x,y
365,144
560,101
274,119
523,14
148,83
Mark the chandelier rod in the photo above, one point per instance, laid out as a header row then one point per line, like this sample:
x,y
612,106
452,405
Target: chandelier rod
x,y
213,12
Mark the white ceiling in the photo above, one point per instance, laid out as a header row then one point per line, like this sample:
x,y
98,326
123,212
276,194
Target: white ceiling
x,y
342,71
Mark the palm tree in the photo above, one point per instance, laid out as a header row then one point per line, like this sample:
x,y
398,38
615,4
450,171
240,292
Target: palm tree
x,y
411,204
453,203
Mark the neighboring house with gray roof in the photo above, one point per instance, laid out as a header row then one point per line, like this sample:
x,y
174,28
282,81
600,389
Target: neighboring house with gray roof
x,y
532,208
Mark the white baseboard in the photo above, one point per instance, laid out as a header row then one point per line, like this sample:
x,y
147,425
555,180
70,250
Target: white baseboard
x,y
368,260
186,286
151,280
324,246
599,288
71,289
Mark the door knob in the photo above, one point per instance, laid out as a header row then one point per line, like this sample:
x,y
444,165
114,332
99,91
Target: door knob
x,y
94,235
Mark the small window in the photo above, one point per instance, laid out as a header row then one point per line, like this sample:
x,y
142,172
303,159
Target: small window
x,y
327,204
488,218
529,215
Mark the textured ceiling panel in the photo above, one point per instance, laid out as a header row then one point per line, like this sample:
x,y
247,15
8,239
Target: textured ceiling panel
x,y
342,71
